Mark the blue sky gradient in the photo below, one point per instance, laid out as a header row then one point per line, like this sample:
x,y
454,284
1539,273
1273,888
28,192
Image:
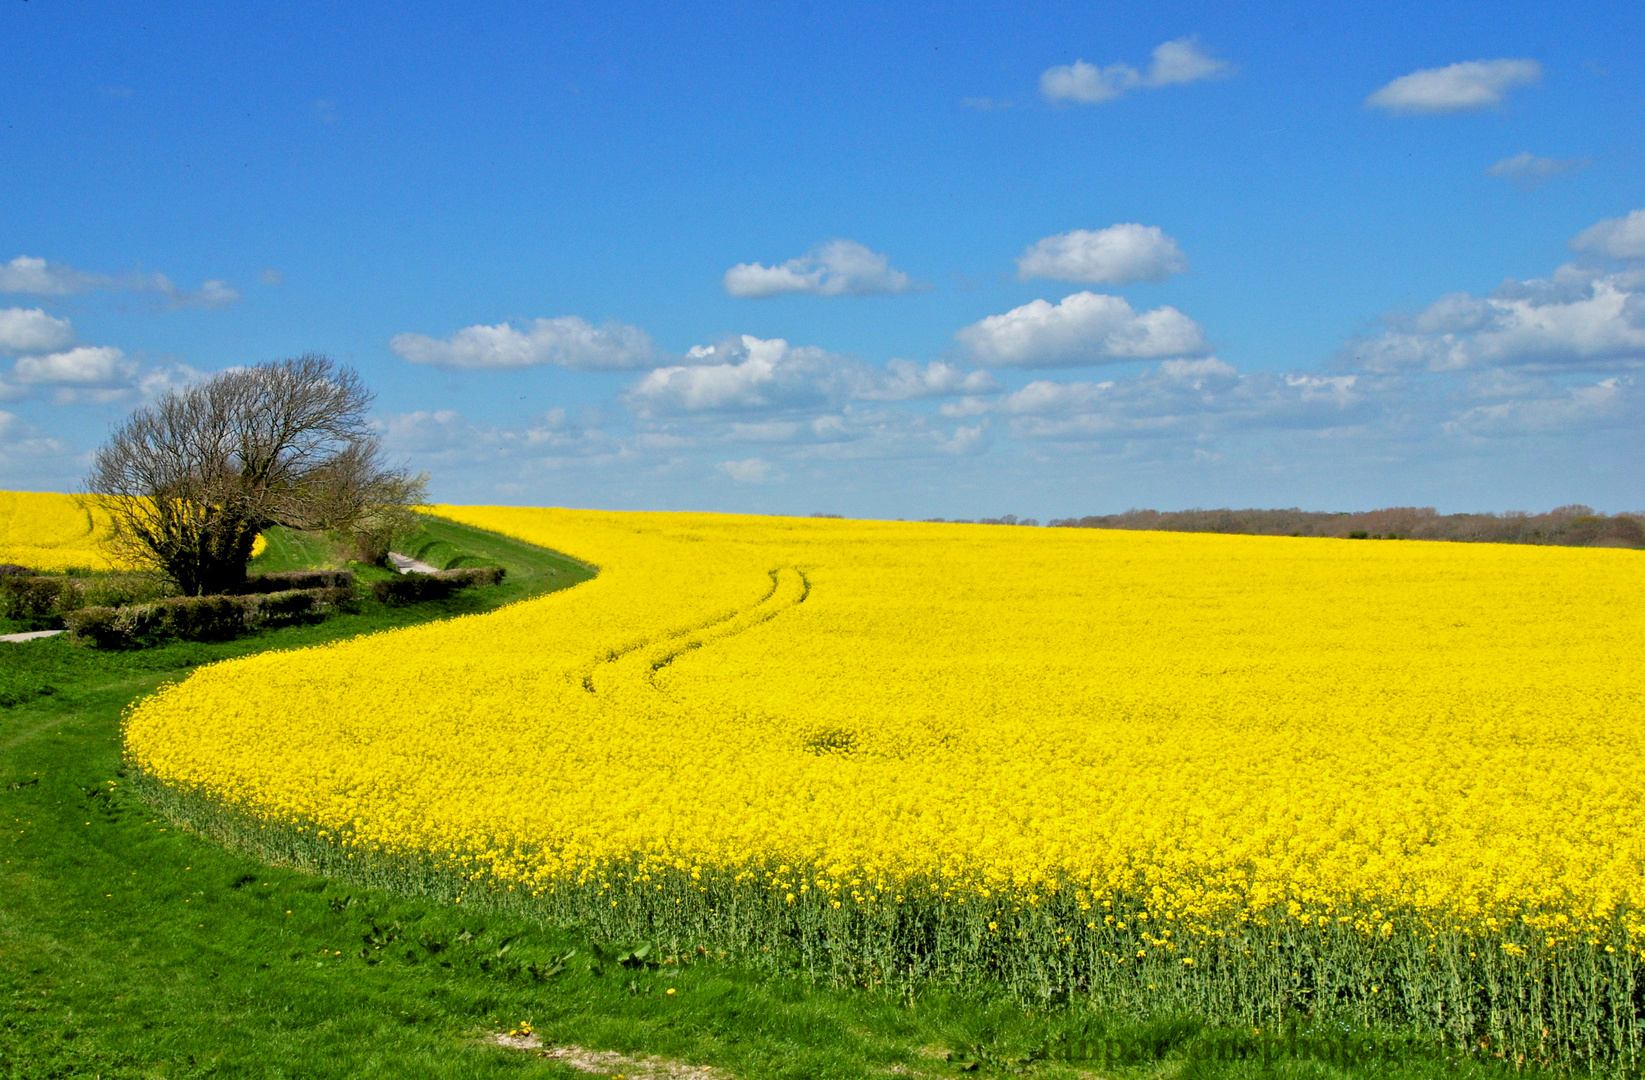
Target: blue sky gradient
x,y
351,178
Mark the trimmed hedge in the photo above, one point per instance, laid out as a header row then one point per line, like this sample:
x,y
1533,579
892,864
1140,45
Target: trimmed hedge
x,y
27,596
43,597
298,579
203,618
412,588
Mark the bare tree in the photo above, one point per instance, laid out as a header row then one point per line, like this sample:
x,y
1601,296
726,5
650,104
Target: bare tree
x,y
190,480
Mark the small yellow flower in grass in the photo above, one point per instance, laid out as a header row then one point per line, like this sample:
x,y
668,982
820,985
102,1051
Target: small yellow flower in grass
x,y
670,990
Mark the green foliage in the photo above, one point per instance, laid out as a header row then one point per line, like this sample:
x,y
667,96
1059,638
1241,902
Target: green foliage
x,y
283,581
121,588
204,618
291,549
413,588
40,601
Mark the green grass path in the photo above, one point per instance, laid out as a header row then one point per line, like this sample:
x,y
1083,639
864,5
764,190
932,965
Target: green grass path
x,y
130,948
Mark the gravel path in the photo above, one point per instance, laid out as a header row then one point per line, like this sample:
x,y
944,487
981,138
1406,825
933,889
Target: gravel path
x,y
30,636
406,564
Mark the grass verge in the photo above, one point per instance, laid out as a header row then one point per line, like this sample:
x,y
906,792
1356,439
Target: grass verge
x,y
132,947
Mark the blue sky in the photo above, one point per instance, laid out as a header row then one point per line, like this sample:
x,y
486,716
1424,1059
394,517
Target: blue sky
x,y
956,260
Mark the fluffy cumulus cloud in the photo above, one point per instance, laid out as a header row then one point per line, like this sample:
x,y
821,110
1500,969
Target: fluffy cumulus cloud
x,y
25,330
837,268
750,374
1464,87
1617,238
904,380
32,275
1116,255
1529,171
1085,328
83,375
87,365
1174,62
1583,316
1578,318
567,341
54,368
744,375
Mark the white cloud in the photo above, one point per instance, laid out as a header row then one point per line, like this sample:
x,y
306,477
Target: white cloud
x,y
965,440
1529,171
1620,238
87,365
750,374
19,440
1113,256
1197,373
1087,84
1181,61
27,274
271,277
212,295
444,438
1464,87
84,375
1189,399
905,380
837,268
567,341
32,330
1085,328
1175,62
752,470
747,373
1575,318
1543,408
91,375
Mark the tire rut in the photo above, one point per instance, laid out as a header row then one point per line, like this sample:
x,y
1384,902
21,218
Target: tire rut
x,y
789,587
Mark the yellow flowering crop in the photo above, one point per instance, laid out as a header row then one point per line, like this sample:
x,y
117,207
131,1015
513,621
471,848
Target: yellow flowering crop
x,y
47,531
1257,771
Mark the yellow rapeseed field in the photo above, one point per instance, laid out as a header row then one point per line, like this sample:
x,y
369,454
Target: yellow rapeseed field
x,y
45,530
1240,774
48,531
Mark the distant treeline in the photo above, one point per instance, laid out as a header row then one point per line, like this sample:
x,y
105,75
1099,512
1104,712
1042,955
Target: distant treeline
x,y
1574,526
